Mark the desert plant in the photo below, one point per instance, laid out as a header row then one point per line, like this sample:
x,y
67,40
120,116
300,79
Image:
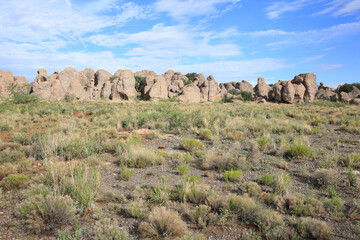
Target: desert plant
x,y
108,229
252,188
353,160
140,83
200,215
14,181
160,193
191,145
136,209
193,192
20,94
246,96
126,173
112,78
282,183
7,169
183,169
263,143
352,177
206,135
47,213
335,205
191,76
233,176
163,224
314,229
267,179
139,157
299,152
326,177
69,97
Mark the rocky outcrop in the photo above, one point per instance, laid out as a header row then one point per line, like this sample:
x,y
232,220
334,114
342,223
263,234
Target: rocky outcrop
x,y
288,92
190,94
326,93
123,86
310,85
156,88
7,79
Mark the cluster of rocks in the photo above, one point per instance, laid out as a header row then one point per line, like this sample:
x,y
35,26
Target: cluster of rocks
x,y
89,85
7,79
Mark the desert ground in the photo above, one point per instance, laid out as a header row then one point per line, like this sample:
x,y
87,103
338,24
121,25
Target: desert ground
x,y
171,170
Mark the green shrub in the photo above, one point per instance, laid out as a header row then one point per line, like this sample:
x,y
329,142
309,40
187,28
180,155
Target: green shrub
x,y
352,178
310,228
282,183
191,76
267,179
140,83
233,176
112,78
183,170
47,213
193,192
108,229
7,169
263,143
15,181
160,193
206,135
335,205
299,152
21,94
200,215
353,160
139,157
246,96
69,97
347,87
163,224
77,148
136,209
11,156
191,145
126,173
252,188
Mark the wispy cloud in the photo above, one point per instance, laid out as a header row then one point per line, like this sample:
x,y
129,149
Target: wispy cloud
x,y
276,9
341,8
328,67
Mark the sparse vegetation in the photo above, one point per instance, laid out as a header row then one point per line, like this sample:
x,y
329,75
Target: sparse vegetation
x,y
233,176
191,145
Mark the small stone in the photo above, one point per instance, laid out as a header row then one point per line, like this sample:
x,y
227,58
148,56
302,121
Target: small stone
x,y
162,146
209,174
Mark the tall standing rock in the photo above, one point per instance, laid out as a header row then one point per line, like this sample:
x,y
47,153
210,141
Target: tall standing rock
x,y
277,92
214,90
6,81
310,86
262,89
158,90
288,92
124,86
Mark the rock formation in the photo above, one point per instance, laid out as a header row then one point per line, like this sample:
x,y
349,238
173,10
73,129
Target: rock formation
x,y
7,79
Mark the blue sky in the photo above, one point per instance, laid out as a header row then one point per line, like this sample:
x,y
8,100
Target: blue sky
x,y
230,39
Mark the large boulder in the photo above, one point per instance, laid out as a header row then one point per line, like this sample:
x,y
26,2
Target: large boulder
x,y
158,90
168,75
310,86
355,101
262,89
299,92
277,92
288,92
20,80
6,81
101,77
124,86
245,86
144,73
190,94
344,97
355,93
325,93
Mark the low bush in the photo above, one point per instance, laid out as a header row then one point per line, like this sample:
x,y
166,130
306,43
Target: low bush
x,y
14,181
267,179
193,192
139,157
206,135
191,145
222,161
252,188
108,229
335,205
46,213
126,173
200,215
296,205
326,177
160,193
299,152
136,209
7,169
352,178
282,183
313,229
263,143
353,160
140,83
21,94
183,169
233,176
163,224
69,97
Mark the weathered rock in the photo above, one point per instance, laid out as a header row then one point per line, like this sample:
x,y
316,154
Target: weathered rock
x,y
124,86
175,85
298,80
214,90
261,101
262,89
355,101
355,93
299,92
144,73
20,80
168,75
190,94
200,78
288,92
326,93
245,86
158,89
6,81
310,86
106,90
277,92
101,77
344,97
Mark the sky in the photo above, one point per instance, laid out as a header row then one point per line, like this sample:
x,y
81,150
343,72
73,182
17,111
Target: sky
x,y
233,40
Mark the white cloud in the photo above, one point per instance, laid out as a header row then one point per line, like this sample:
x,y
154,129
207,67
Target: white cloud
x,y
277,9
328,67
341,8
185,9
